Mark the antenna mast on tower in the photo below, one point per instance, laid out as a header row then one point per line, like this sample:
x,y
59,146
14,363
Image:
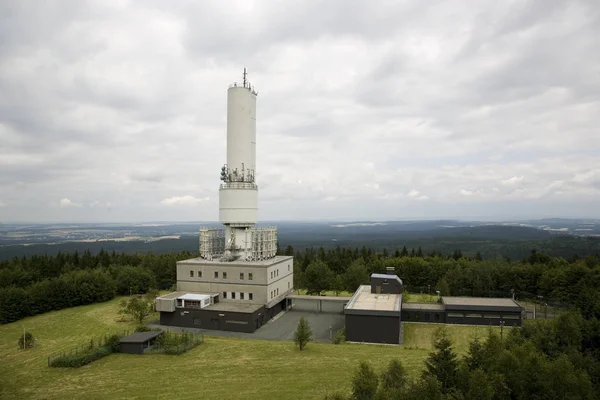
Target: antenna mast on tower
x,y
244,76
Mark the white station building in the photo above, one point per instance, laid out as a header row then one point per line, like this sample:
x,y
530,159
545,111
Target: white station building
x,y
238,269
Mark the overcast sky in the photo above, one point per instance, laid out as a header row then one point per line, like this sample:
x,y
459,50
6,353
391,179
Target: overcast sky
x,y
116,110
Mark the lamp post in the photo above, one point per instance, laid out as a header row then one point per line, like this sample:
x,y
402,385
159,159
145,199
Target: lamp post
x,y
501,328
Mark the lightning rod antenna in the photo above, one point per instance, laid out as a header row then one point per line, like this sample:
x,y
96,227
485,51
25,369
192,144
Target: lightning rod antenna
x,y
244,76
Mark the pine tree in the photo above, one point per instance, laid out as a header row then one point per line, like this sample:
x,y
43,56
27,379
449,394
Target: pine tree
x,y
394,378
480,388
303,334
478,256
442,363
419,252
364,383
476,355
404,252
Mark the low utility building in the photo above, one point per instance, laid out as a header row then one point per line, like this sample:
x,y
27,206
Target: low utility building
x,y
138,342
375,312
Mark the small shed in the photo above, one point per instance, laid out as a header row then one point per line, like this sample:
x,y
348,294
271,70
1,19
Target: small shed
x,y
138,342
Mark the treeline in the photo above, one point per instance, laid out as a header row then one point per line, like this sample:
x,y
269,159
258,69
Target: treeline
x,y
545,359
42,281
572,282
38,284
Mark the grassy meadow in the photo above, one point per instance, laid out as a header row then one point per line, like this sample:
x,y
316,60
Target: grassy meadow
x,y
220,368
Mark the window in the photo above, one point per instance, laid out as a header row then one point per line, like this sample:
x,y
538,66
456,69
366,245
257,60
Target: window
x,y
193,304
179,303
199,274
224,275
492,316
241,296
191,274
216,274
277,273
271,274
455,315
277,291
288,267
474,315
288,285
224,295
241,275
510,316
233,295
250,296
249,276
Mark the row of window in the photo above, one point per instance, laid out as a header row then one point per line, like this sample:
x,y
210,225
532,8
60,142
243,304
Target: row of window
x,y
242,295
224,275
275,273
482,315
275,293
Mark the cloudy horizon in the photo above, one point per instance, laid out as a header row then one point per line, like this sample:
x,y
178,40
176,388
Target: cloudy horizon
x,y
115,111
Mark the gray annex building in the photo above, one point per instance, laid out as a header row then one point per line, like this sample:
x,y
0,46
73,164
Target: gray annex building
x,y
238,283
375,312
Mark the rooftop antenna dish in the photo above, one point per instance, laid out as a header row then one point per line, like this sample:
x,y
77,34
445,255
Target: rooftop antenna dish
x,y
245,76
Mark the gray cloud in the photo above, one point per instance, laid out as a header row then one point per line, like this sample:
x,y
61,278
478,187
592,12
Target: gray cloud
x,y
402,109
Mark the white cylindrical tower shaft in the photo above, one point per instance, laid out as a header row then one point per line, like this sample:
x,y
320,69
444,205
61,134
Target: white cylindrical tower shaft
x,y
238,195
241,133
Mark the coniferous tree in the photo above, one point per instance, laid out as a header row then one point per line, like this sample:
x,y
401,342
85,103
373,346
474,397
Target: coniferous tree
x,y
394,378
442,363
303,334
404,252
364,382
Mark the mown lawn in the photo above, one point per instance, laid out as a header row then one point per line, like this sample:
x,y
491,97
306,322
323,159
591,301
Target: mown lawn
x,y
221,368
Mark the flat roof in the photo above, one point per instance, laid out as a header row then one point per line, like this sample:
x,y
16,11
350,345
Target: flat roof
x,y
194,296
182,295
307,297
423,306
387,276
260,263
363,299
172,295
140,337
456,302
234,307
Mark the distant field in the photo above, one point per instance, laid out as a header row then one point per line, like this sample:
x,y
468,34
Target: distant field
x,y
221,368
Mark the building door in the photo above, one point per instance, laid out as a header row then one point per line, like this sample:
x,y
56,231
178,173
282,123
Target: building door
x,y
378,289
214,324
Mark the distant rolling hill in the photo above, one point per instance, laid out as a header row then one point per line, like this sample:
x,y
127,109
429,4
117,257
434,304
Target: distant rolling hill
x,y
514,242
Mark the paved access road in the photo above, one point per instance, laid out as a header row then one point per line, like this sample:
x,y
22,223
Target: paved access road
x,y
281,327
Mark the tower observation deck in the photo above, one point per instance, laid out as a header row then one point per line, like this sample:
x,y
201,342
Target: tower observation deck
x,y
240,239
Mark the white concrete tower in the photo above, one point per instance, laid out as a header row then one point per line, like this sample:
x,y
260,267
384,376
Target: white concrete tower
x,y
238,194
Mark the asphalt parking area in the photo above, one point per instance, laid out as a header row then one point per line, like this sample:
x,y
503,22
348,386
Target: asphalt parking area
x,y
281,327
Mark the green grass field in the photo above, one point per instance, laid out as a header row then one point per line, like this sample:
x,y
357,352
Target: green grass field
x,y
419,297
220,368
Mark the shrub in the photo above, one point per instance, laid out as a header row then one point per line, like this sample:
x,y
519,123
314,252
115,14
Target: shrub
x,y
80,359
26,341
113,342
340,336
144,328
